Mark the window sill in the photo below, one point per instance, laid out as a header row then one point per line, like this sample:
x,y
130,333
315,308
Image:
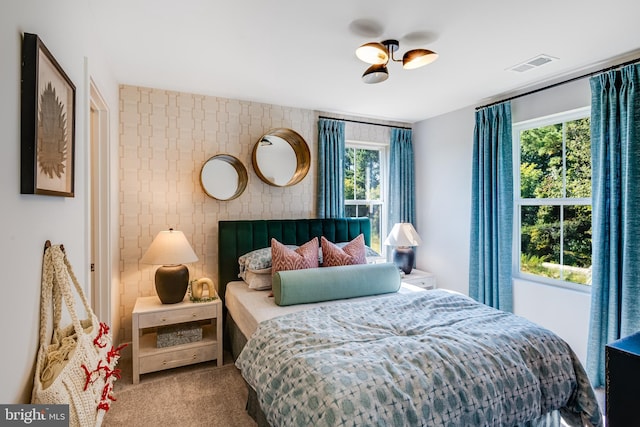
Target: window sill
x,y
585,289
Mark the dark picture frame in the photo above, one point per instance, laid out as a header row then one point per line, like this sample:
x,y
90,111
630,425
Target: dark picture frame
x,y
47,162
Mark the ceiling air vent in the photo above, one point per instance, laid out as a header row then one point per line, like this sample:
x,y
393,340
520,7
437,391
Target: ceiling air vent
x,y
532,63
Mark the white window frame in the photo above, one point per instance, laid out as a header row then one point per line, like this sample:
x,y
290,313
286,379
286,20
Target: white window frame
x,y
518,202
383,148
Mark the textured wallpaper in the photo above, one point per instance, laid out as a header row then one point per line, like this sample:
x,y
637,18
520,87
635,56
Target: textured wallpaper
x,y
165,137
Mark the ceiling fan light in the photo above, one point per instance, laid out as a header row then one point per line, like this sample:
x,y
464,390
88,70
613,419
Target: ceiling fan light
x,y
373,53
417,58
377,73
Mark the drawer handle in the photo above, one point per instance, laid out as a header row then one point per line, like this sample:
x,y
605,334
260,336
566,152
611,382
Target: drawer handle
x,y
194,315
194,357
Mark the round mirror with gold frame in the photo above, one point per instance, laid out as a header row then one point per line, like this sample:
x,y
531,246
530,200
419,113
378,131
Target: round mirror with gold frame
x,y
281,157
223,177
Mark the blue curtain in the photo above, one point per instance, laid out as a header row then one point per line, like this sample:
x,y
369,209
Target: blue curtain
x,y
615,162
492,208
402,191
331,146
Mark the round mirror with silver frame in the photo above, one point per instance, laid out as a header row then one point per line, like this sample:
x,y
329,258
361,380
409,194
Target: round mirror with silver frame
x,y
223,177
281,157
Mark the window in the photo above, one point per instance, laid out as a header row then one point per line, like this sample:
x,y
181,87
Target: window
x,y
364,185
552,195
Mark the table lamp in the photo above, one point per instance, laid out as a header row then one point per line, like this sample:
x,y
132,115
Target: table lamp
x,y
403,238
170,249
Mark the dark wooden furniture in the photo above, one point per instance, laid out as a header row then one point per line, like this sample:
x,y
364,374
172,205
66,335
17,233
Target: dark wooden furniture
x,y
623,381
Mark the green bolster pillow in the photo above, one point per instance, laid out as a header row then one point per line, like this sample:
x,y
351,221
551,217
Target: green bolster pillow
x,y
331,283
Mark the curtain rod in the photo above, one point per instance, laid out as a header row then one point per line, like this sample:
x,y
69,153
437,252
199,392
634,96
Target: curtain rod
x,y
364,123
573,79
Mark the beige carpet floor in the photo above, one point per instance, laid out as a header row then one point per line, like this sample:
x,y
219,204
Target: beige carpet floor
x,y
197,395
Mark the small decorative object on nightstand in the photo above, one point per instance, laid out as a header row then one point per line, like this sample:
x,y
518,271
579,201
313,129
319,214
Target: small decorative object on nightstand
x,y
403,237
423,279
196,344
197,287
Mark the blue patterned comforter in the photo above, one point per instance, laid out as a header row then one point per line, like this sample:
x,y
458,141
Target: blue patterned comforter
x,y
429,358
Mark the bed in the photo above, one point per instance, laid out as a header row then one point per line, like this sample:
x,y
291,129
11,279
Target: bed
x,y
409,357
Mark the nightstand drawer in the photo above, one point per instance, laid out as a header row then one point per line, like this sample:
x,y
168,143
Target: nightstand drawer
x,y
173,359
183,315
425,283
420,278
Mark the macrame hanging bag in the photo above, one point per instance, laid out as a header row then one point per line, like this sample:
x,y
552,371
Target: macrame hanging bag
x,y
76,363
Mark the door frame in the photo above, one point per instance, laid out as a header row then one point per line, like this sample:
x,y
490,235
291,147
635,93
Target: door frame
x,y
98,198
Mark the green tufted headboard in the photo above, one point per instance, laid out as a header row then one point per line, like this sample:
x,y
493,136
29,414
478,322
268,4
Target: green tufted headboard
x,y
236,238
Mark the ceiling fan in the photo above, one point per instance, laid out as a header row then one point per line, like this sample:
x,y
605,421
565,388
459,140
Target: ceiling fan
x,y
380,53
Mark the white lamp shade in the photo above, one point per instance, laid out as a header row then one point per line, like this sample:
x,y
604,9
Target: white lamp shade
x,y
170,247
403,234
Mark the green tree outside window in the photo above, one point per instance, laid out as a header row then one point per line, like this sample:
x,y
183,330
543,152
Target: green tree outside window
x,y
555,220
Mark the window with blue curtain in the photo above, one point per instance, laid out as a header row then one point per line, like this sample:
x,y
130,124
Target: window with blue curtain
x,y
615,152
490,254
402,204
331,146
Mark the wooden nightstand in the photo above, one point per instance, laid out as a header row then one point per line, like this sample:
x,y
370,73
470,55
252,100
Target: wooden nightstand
x,y
420,278
149,314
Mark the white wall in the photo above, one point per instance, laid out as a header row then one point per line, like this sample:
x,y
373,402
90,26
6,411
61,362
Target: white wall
x,y
563,311
29,220
443,149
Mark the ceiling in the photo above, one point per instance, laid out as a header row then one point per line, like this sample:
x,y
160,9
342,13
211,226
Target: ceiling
x,y
300,53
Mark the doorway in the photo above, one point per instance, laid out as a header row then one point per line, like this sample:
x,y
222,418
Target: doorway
x,y
100,269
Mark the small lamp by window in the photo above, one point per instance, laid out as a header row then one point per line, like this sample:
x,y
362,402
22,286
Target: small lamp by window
x,y
170,249
403,238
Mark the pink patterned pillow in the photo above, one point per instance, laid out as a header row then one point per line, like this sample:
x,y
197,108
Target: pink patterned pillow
x,y
283,258
352,253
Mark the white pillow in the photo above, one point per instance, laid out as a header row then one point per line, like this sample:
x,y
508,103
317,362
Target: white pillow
x,y
258,280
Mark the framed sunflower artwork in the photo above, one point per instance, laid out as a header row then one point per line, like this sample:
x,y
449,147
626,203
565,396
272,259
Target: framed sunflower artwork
x,y
47,123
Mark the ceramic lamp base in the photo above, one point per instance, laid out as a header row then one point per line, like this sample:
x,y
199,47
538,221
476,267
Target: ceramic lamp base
x,y
404,259
171,283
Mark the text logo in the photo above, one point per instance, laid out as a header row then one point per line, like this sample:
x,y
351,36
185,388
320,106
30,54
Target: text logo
x,y
34,415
